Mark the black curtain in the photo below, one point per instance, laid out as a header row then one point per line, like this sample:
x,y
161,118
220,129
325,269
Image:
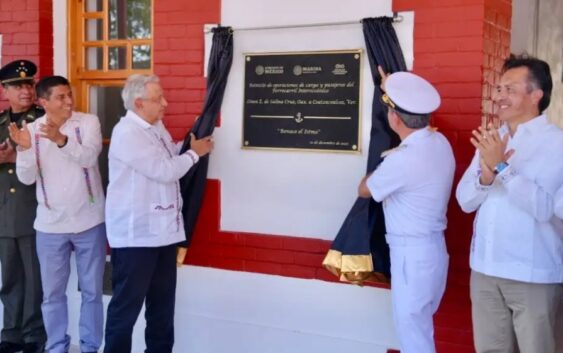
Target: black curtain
x,y
192,184
363,230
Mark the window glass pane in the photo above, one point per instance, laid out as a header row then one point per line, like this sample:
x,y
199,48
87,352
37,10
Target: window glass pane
x,y
117,58
94,29
107,104
94,58
93,5
129,19
141,57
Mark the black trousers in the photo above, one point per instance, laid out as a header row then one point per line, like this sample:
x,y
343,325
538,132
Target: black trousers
x,y
142,275
21,292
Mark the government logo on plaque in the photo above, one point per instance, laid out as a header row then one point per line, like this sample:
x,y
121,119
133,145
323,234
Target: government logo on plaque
x,y
302,100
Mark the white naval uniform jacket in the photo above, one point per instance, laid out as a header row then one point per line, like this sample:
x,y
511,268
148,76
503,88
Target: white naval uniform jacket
x,y
517,233
414,183
143,207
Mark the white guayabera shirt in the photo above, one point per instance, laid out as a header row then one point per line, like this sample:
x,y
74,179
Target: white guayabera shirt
x,y
68,184
144,204
516,233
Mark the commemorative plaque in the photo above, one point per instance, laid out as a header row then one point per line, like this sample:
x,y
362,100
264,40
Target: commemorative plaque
x,y
303,100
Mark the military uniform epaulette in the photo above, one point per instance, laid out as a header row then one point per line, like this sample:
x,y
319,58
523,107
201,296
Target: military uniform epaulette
x,y
34,112
4,115
39,111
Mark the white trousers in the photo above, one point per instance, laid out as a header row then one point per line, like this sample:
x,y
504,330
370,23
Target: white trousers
x,y
418,281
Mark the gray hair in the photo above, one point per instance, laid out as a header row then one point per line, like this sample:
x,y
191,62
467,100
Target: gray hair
x,y
135,87
413,121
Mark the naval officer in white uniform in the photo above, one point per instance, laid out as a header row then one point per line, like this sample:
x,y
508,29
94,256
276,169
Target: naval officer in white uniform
x,y
414,182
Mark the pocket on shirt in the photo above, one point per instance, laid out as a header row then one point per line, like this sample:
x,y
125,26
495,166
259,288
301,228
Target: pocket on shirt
x,y
163,218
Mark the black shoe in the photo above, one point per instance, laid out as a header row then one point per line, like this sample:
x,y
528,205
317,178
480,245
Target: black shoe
x,y
10,347
33,347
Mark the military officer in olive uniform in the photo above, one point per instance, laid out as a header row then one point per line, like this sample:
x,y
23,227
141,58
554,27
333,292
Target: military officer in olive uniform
x,y
21,293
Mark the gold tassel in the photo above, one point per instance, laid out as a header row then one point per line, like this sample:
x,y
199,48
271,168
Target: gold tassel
x,y
355,269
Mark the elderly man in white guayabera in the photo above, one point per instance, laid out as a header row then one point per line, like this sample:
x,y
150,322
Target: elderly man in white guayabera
x,y
144,218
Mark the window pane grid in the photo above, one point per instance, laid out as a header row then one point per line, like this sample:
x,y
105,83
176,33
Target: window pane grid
x,y
116,36
91,50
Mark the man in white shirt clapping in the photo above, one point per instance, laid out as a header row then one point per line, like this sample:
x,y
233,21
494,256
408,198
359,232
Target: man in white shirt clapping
x,y
144,219
517,246
59,152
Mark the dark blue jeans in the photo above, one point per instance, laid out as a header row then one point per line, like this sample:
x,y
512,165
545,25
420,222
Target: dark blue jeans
x,y
142,275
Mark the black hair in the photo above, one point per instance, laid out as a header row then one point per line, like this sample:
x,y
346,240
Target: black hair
x,y
45,85
539,75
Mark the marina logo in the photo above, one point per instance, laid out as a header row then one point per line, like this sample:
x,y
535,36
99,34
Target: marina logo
x,y
297,70
311,69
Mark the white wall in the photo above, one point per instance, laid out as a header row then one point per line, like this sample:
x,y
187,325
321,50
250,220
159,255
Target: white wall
x,y
305,194
221,311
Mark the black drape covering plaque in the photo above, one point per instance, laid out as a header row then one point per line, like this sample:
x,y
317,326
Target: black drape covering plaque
x,y
192,185
359,251
302,100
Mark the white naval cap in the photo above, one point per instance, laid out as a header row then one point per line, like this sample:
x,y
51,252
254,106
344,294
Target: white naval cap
x,y
410,93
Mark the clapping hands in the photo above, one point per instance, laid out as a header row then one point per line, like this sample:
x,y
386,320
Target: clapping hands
x,y
22,137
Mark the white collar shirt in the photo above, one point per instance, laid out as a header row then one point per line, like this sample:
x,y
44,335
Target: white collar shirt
x,y
69,189
517,234
144,203
414,183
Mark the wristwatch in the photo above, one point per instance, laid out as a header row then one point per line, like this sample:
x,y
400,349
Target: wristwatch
x,y
500,167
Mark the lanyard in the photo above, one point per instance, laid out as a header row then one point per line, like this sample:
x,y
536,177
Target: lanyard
x,y
87,178
86,173
40,171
